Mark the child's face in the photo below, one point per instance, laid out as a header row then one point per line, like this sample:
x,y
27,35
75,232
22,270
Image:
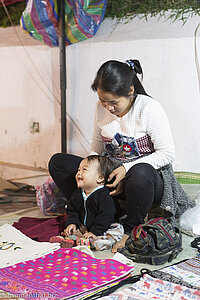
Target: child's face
x,y
87,176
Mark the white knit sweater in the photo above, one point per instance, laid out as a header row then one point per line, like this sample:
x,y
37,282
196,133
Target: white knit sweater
x,y
145,117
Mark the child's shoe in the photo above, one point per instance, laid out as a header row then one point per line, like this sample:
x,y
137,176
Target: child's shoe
x,y
80,241
64,242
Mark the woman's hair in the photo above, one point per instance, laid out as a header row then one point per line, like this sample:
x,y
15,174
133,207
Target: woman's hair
x,y
117,77
106,165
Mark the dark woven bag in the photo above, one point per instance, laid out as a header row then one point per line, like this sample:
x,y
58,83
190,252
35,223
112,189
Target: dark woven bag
x,y
154,242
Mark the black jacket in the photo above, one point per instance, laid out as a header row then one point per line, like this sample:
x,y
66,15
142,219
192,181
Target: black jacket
x,y
99,210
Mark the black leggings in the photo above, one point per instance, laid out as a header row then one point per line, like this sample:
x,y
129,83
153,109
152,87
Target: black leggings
x,y
143,186
143,189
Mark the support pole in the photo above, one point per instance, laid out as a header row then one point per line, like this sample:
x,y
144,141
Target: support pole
x,y
61,6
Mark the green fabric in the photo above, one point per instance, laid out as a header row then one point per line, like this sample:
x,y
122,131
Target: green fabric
x,y
188,177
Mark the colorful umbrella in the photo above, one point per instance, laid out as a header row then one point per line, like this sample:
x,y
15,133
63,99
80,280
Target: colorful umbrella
x,y
82,20
9,2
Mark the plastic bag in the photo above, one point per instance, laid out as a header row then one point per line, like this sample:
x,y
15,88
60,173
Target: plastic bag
x,y
50,199
190,220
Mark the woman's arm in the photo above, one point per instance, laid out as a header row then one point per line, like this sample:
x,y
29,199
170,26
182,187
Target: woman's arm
x,y
96,143
158,128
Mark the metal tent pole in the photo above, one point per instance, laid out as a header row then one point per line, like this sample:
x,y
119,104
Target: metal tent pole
x,y
61,6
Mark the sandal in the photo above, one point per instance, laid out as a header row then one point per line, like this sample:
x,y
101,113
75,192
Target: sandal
x,y
196,243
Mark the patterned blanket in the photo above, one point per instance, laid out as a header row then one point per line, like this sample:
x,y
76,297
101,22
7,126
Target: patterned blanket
x,y
66,273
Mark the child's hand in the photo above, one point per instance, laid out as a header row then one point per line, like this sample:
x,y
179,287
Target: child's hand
x,y
71,228
88,235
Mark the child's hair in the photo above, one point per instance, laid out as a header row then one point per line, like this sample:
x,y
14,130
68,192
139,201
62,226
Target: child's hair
x,y
106,165
117,77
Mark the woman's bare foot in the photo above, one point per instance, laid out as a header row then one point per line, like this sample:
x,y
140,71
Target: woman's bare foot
x,y
120,244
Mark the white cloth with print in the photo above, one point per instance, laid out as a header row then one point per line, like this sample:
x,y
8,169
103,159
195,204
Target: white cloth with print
x,y
16,247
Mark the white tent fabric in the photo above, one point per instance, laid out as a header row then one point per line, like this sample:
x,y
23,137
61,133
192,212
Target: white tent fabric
x,y
29,77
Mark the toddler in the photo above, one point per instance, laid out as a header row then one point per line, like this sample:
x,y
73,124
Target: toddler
x,y
91,211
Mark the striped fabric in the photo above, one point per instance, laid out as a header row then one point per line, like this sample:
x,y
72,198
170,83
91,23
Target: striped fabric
x,y
83,18
145,145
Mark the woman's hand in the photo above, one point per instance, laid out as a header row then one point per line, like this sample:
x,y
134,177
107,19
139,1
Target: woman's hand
x,y
119,175
71,228
88,235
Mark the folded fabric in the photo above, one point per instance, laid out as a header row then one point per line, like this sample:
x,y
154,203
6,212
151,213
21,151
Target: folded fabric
x,y
65,273
85,249
41,229
123,259
15,247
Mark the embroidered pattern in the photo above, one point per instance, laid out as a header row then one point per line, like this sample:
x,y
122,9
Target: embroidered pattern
x,y
152,288
16,247
188,271
157,288
126,149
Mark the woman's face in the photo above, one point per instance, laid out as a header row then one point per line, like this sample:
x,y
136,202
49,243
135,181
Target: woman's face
x,y
116,105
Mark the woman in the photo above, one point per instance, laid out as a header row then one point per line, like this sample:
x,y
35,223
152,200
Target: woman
x,y
132,129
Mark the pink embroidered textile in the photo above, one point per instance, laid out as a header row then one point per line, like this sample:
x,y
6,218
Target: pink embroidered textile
x,y
64,273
